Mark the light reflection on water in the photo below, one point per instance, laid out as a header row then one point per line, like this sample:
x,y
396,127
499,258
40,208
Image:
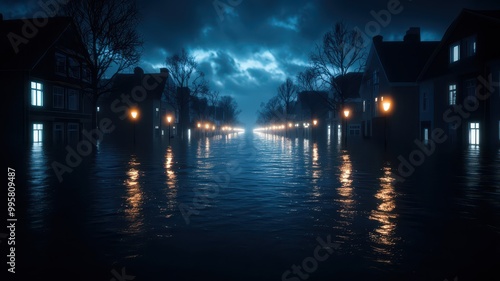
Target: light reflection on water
x,y
285,194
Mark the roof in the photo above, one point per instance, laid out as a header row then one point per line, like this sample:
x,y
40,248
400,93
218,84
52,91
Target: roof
x,y
126,82
403,61
467,15
350,84
19,52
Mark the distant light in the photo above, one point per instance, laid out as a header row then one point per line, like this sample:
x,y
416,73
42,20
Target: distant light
x,y
290,125
199,125
156,127
376,99
346,113
207,126
157,109
169,119
98,109
315,122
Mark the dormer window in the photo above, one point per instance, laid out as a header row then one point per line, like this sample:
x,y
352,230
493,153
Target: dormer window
x,y
455,52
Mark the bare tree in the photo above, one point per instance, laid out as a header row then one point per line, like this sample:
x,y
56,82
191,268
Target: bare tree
x,y
109,32
342,51
271,112
187,82
308,80
287,93
229,109
214,100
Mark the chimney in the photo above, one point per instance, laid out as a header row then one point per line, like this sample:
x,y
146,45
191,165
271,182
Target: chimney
x,y
412,35
164,71
378,39
138,71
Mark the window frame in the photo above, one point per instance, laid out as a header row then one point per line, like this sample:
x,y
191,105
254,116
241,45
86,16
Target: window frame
x,y
454,59
73,92
36,92
452,94
54,97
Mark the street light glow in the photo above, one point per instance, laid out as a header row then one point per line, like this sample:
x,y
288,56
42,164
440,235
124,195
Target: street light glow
x,y
346,113
315,122
134,114
169,118
386,105
199,125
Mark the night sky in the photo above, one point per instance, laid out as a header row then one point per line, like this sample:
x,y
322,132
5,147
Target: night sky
x,y
248,50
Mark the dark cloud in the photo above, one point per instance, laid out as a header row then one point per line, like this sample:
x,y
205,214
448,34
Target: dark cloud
x,y
248,49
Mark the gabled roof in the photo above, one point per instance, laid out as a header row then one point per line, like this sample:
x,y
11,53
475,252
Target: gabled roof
x,y
490,16
350,84
403,61
126,82
29,50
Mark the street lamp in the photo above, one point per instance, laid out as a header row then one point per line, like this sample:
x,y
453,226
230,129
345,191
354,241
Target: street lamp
x,y
134,114
386,105
346,114
199,125
169,121
315,122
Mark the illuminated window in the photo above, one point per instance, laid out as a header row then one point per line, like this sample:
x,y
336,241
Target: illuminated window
x,y
364,106
426,135
452,94
58,97
36,94
474,133
455,52
37,133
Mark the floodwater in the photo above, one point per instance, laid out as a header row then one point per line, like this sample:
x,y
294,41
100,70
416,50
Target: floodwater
x,y
252,206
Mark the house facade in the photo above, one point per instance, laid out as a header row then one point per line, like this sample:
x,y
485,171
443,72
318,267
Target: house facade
x,y
45,81
134,106
459,90
389,90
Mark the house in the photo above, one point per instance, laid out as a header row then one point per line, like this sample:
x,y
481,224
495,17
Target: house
x,y
459,91
134,106
390,81
44,80
349,86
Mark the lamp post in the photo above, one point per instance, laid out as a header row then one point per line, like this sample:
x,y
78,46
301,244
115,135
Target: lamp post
x,y
134,113
169,121
386,106
346,114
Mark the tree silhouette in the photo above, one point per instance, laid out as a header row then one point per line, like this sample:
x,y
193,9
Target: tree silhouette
x,y
109,31
342,51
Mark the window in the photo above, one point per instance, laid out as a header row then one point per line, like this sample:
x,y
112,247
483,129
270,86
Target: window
x,y
74,68
157,112
453,94
376,81
424,102
354,130
470,87
426,135
474,133
58,133
73,99
86,75
455,52
73,132
364,106
58,97
36,94
37,133
61,64
98,109
470,46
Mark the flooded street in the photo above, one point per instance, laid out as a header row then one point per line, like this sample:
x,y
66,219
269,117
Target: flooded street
x,y
260,207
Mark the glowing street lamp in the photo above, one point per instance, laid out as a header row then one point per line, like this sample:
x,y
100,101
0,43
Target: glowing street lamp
x,y
134,114
169,121
346,114
386,105
199,125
